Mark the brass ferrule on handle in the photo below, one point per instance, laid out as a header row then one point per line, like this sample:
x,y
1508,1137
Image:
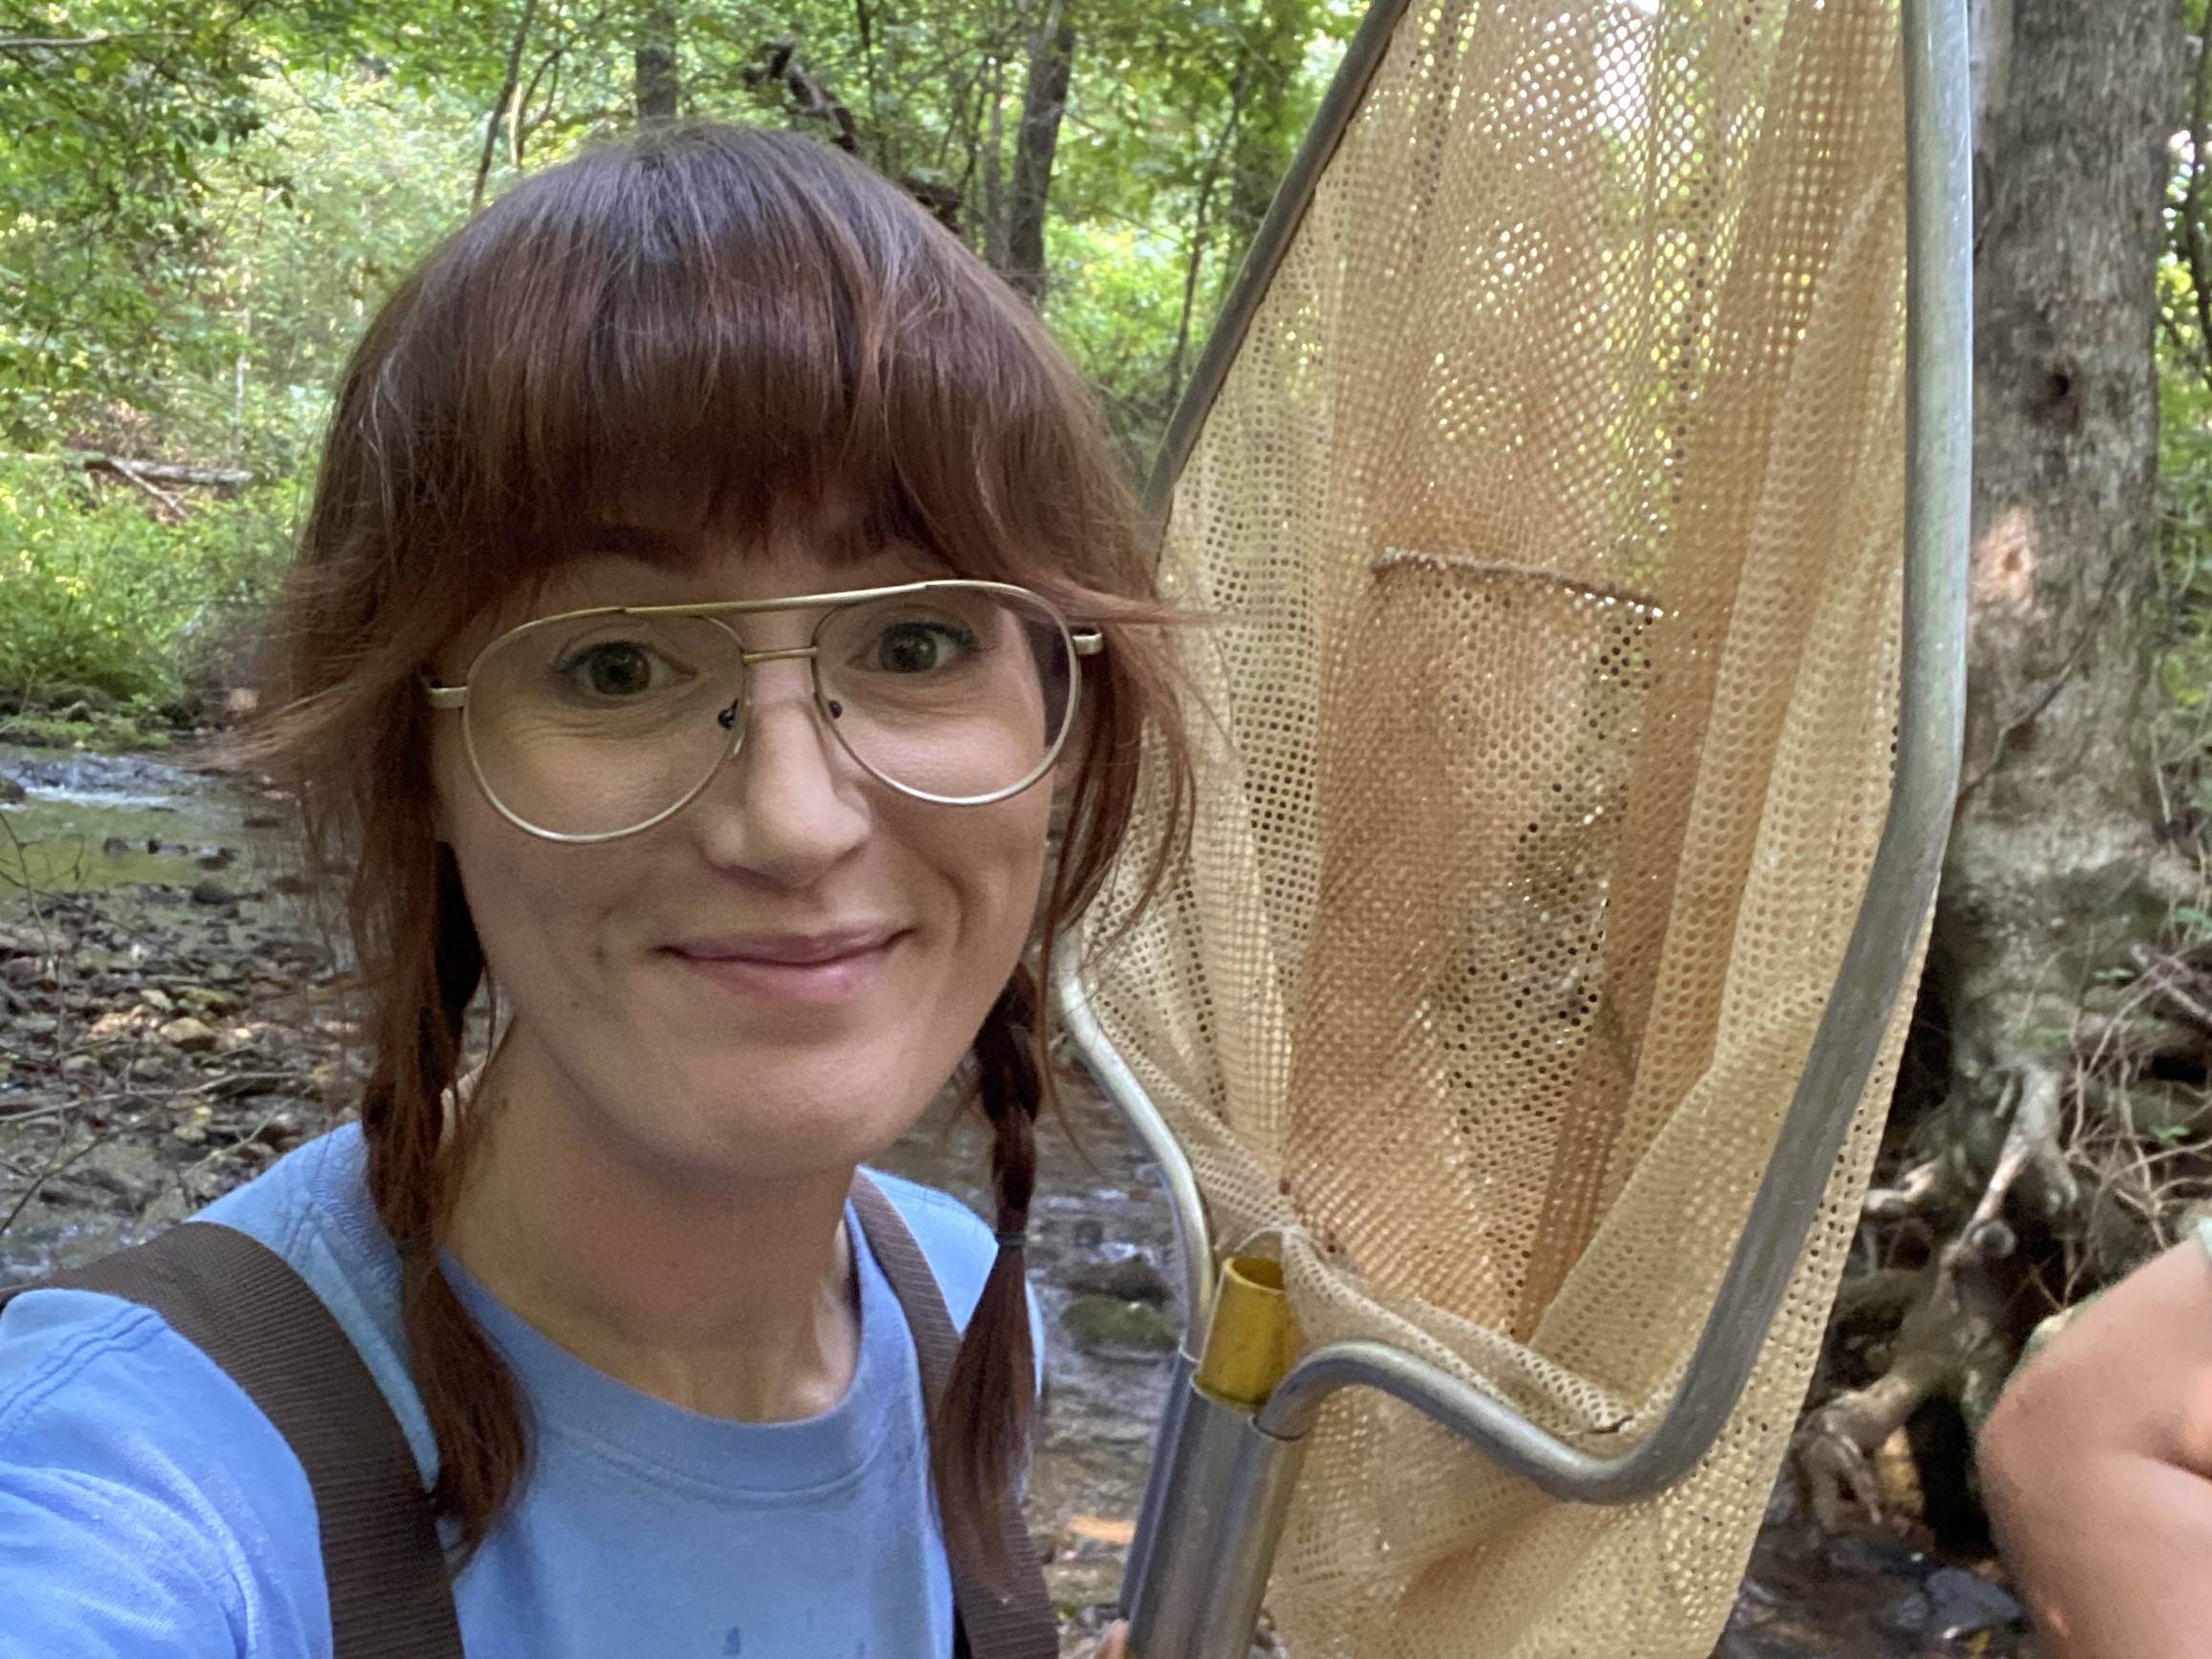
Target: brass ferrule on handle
x,y
1223,1487
1253,1340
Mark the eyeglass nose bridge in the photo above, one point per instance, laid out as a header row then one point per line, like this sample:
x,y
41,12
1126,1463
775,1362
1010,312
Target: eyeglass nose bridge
x,y
728,717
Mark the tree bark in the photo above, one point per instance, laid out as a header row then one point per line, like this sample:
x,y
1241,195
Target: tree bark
x,y
653,61
1201,229
1269,132
995,170
2058,856
1044,100
2059,859
887,159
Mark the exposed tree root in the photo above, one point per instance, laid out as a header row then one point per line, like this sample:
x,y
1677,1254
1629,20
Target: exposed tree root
x,y
1885,1294
1920,1188
1951,1341
2032,1145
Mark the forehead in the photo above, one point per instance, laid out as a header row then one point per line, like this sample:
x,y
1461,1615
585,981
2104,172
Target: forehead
x,y
639,564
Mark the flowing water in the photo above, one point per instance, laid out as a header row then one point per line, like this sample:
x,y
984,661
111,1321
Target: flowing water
x,y
101,822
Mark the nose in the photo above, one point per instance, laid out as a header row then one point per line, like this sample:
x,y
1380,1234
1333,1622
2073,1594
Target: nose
x,y
791,804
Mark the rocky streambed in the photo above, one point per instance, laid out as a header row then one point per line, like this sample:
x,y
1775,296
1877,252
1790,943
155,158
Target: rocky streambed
x,y
169,1025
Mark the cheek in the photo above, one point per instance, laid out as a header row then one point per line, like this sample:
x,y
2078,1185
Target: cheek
x,y
532,901
999,862
984,867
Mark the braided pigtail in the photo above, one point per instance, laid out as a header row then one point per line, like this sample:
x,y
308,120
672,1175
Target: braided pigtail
x,y
980,1442
467,1391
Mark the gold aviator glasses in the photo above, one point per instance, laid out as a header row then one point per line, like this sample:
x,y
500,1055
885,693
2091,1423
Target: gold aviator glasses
x,y
597,724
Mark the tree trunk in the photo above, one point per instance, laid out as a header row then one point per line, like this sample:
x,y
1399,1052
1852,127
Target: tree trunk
x,y
1044,100
1271,123
2058,859
1202,227
2057,856
995,169
502,104
653,61
864,28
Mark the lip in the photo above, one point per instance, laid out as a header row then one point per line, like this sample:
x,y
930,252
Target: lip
x,y
817,970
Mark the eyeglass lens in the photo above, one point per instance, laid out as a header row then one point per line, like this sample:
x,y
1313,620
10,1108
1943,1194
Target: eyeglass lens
x,y
591,726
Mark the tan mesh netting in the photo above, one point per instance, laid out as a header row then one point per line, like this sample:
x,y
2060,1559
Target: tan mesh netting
x,y
1551,523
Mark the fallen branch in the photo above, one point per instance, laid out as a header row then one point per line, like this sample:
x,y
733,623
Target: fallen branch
x,y
2164,978
57,1165
141,472
132,475
233,1084
52,1109
164,471
2188,1006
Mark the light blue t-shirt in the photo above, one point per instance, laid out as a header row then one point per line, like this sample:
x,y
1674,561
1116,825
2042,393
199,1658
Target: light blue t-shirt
x,y
148,1508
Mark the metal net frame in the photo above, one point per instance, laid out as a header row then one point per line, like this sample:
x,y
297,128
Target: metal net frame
x,y
1575,739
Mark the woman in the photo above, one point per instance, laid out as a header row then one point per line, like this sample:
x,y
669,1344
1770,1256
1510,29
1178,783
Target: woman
x,y
714,575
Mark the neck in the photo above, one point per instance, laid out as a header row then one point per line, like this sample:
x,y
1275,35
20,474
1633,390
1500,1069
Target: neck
x,y
732,1298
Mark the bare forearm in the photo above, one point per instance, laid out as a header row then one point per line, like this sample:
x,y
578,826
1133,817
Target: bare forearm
x,y
2097,1467
2112,1554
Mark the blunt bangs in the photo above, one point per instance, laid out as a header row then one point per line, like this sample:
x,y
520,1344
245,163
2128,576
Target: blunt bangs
x,y
750,336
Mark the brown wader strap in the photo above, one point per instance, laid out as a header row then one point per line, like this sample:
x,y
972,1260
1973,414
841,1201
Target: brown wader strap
x,y
243,1307
1023,1626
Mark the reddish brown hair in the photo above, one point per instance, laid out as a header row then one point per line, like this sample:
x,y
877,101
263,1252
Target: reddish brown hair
x,y
754,331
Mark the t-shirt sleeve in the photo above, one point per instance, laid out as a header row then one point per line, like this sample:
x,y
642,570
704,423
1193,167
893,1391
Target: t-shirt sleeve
x,y
147,1507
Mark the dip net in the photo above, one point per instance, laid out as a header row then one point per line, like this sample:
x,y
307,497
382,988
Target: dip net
x,y
1548,523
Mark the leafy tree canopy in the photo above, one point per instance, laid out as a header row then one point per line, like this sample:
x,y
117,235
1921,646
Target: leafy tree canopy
x,y
199,204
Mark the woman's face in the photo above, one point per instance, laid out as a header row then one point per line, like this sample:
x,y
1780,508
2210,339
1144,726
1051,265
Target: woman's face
x,y
772,983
